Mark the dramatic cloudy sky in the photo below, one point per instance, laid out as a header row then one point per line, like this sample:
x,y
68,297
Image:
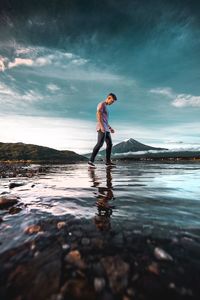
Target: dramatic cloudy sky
x,y
59,58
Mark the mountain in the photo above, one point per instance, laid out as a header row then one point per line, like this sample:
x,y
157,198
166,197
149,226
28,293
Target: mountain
x,y
131,145
35,153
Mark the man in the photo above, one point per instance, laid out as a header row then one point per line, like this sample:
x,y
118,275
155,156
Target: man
x,y
104,130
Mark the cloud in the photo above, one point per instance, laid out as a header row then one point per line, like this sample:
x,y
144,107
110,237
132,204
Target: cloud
x,y
179,100
52,87
167,91
39,57
10,97
79,61
184,100
20,61
2,63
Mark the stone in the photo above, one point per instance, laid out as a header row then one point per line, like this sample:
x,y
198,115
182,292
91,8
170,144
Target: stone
x,y
12,185
154,268
117,272
6,202
99,284
32,229
161,254
78,289
14,210
85,241
61,225
74,258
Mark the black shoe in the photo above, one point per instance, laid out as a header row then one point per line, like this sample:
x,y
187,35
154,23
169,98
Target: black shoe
x,y
91,164
110,164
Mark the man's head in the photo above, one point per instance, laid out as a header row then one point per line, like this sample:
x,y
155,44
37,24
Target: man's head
x,y
111,98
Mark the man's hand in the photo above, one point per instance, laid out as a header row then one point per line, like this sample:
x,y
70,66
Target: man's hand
x,y
102,129
112,130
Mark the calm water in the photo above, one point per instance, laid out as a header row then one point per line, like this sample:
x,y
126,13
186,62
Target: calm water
x,y
150,198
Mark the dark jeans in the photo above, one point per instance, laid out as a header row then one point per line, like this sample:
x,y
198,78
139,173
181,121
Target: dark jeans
x,y
102,136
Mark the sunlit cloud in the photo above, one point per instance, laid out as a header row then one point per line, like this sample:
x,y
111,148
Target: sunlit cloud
x,y
2,64
163,91
179,100
52,87
11,97
184,100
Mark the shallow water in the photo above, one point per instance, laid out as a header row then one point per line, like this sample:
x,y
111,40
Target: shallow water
x,y
148,198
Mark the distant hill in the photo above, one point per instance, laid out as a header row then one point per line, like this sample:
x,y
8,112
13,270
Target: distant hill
x,y
132,145
35,153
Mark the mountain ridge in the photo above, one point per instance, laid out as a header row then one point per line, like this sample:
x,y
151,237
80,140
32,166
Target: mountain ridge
x,y
36,153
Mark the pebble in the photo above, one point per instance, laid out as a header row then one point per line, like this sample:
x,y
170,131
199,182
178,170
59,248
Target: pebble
x,y
12,185
65,246
61,225
32,229
153,268
74,258
85,241
161,254
117,272
99,284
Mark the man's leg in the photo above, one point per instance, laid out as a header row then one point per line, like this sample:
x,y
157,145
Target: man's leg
x,y
100,141
109,146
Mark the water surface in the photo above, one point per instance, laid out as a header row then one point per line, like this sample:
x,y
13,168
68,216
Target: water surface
x,y
148,198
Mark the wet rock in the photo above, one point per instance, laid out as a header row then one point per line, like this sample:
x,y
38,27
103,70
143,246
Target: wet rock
x,y
32,229
61,225
117,272
74,258
12,185
130,292
154,268
4,193
97,243
161,254
14,210
85,241
99,284
6,202
78,289
65,247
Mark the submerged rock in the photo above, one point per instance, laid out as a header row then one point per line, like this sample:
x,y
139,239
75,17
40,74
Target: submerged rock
x,y
61,224
74,258
32,229
161,254
99,284
117,272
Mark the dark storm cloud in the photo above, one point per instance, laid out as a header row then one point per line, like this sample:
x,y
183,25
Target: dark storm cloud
x,y
68,20
133,37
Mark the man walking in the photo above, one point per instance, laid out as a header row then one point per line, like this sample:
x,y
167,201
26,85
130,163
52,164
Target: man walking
x,y
104,130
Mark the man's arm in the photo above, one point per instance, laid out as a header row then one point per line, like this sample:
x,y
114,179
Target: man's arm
x,y
99,118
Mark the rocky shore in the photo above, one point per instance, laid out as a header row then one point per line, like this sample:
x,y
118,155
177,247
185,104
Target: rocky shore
x,y
11,169
77,259
63,258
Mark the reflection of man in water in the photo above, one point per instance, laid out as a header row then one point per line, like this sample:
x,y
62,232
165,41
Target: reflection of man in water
x,y
103,195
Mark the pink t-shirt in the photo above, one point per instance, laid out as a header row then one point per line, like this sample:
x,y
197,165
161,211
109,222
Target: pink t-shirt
x,y
104,113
